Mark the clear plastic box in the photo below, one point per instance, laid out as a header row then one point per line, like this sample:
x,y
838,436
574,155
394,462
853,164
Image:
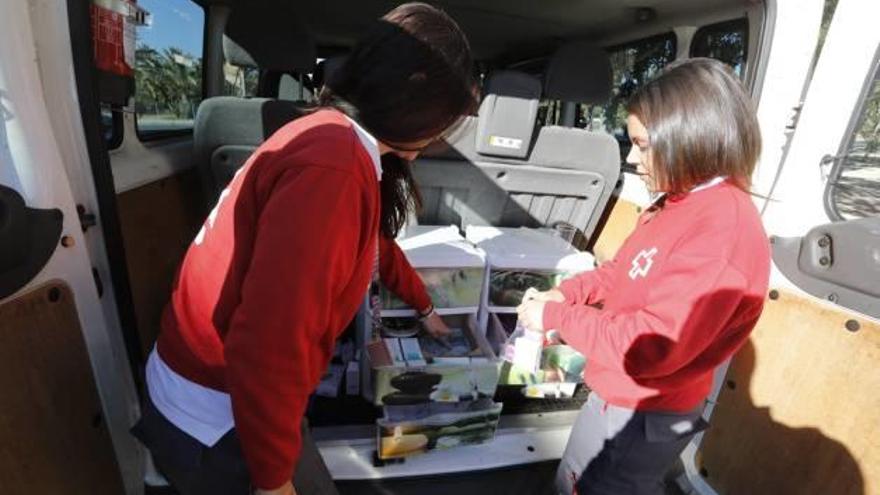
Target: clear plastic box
x,y
520,258
467,370
396,439
560,371
452,269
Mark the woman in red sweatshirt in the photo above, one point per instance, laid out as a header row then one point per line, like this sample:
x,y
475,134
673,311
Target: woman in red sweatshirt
x,y
286,257
682,293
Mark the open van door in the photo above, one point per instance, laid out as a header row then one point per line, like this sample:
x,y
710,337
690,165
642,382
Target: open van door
x,y
799,408
68,395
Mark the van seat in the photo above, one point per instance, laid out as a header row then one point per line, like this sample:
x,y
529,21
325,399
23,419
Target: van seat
x,y
228,129
499,169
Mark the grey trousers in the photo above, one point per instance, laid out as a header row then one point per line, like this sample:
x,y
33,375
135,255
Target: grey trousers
x,y
614,450
194,469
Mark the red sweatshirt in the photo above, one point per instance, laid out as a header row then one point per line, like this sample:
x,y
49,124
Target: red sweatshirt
x,y
680,297
278,271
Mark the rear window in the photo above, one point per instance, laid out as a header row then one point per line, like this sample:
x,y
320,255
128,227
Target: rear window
x,y
240,81
725,41
632,64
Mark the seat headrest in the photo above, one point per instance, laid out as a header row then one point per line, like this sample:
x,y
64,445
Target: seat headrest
x,y
579,72
236,55
270,42
506,122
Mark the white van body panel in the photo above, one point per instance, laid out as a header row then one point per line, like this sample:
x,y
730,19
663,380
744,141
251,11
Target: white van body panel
x,y
846,59
48,165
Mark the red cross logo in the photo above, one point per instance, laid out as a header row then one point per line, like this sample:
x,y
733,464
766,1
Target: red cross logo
x,y
642,263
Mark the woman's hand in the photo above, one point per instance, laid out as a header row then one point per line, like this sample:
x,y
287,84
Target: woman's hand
x,y
552,295
435,326
531,314
285,489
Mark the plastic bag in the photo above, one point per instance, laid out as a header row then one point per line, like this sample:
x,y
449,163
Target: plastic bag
x,y
523,348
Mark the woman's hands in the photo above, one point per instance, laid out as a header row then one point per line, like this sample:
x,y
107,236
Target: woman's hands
x,y
531,314
552,295
531,310
435,326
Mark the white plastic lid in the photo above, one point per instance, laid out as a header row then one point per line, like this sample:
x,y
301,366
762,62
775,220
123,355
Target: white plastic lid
x,y
428,246
524,248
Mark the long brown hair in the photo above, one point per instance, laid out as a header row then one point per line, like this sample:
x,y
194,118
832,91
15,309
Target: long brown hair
x,y
701,125
408,80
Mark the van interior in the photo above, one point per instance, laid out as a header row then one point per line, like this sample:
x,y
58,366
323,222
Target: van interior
x,y
554,75
213,79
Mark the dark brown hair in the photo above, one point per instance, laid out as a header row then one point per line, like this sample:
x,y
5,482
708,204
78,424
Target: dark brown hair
x,y
701,125
408,80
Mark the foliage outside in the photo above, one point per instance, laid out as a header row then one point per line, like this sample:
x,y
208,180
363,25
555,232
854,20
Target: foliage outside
x,y
168,87
168,84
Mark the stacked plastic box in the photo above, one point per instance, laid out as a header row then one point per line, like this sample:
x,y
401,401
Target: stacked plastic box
x,y
434,395
452,269
520,258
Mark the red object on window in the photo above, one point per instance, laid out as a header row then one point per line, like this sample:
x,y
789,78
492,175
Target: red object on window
x,y
113,35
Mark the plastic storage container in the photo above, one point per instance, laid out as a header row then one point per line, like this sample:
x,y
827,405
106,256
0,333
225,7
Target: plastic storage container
x,y
560,367
463,371
520,258
404,438
452,269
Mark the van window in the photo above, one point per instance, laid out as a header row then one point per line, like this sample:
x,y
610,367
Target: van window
x,y
168,68
854,184
632,64
726,41
240,81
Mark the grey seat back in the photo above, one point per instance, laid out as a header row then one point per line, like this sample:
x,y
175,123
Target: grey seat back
x,y
228,129
508,114
557,175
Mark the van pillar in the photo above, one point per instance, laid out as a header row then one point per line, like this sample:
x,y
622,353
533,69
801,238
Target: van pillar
x,y
568,114
218,15
683,37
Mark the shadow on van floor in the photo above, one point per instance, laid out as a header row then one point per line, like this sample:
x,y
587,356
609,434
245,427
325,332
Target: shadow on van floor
x,y
532,479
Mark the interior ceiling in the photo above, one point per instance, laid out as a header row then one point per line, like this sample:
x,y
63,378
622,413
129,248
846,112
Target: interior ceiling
x,y
494,27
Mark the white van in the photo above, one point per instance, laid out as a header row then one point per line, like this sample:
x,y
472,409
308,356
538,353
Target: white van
x,y
121,119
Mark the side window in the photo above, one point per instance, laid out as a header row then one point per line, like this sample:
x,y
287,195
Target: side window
x,y
240,81
168,68
632,64
726,41
854,185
